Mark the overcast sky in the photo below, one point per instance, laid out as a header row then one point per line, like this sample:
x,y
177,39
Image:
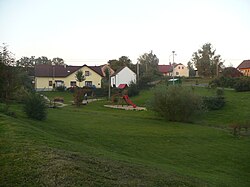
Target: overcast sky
x,y
94,31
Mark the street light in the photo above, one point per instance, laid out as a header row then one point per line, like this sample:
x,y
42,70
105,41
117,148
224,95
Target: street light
x,y
172,65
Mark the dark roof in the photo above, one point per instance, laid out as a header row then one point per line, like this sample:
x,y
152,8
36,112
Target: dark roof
x,y
244,64
165,68
97,69
47,70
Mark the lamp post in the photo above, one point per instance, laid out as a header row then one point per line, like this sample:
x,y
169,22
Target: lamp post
x,y
173,53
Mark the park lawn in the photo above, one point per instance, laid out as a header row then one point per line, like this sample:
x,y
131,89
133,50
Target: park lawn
x,y
97,146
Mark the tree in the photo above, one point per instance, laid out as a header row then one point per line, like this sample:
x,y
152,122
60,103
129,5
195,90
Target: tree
x,y
149,65
120,63
191,69
8,73
43,60
80,76
26,62
231,72
207,63
57,61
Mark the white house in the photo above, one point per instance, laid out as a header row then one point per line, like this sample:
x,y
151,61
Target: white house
x,y
123,76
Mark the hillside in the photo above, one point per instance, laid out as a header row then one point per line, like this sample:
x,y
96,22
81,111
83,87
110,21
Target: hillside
x,y
97,146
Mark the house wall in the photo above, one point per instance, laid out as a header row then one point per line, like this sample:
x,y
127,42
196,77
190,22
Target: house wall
x,y
245,71
181,71
125,76
42,83
93,76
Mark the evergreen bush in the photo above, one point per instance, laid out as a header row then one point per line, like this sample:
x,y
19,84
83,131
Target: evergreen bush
x,y
35,106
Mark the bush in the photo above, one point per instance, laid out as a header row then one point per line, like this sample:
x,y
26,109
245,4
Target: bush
x,y
5,110
133,89
35,107
78,96
213,102
243,84
144,82
220,92
226,82
100,92
175,103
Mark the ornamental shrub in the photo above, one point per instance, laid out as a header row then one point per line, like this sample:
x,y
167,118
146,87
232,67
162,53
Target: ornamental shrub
x,y
175,103
35,106
243,84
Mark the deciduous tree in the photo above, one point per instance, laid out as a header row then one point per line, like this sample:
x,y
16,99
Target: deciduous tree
x,y
149,64
207,63
80,76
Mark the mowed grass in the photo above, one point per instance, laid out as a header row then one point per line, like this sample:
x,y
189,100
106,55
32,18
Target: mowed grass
x,y
97,146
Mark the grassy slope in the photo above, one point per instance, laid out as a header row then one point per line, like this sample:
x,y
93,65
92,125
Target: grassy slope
x,y
98,146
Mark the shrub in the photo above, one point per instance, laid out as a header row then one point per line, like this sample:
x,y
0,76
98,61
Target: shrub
x,y
243,84
133,89
78,96
220,92
213,102
175,103
5,110
100,92
227,82
35,107
144,82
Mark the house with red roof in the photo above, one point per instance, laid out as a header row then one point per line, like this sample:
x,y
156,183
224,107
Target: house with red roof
x,y
178,70
166,70
123,76
244,67
49,76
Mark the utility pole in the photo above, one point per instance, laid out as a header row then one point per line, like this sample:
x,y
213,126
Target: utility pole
x,y
109,85
138,71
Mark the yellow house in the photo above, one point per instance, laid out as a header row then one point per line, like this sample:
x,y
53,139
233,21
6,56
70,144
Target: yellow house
x,y
48,76
244,67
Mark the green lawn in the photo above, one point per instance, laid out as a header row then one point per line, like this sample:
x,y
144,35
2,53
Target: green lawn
x,y
98,146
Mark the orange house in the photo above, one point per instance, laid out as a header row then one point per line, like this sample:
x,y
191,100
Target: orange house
x,y
244,67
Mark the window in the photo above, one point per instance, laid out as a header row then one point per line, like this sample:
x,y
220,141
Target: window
x,y
88,83
86,73
177,73
59,83
72,83
182,67
179,67
50,83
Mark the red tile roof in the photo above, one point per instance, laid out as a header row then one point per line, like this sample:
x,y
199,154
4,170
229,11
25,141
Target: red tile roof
x,y
47,70
165,68
244,64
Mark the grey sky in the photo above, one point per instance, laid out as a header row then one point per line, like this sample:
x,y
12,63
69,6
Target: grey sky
x,y
95,31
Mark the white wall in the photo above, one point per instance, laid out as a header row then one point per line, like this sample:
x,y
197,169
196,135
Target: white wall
x,y
125,76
